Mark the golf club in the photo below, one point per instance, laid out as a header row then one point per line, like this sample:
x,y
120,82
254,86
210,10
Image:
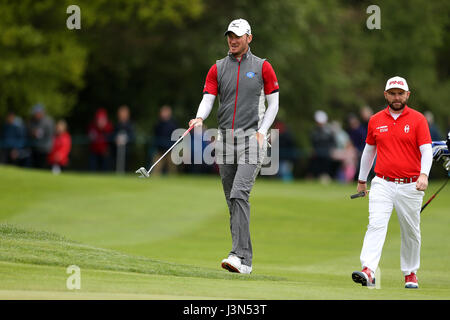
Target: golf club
x,y
434,195
144,173
359,195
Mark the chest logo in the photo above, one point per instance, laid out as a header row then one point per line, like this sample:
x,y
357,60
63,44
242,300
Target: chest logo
x,y
250,74
383,128
406,129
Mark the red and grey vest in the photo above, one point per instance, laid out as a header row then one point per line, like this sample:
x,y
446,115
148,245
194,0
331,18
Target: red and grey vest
x,y
241,92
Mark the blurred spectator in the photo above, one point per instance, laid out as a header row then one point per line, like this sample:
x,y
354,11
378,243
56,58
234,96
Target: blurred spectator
x,y
344,154
99,132
365,113
13,140
323,142
434,129
357,132
41,128
288,151
124,136
62,144
163,141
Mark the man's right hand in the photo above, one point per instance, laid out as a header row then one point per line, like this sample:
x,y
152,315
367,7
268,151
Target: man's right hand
x,y
362,186
197,121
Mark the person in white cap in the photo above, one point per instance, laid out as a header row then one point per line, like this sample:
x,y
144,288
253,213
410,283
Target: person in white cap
x,y
243,82
323,142
400,139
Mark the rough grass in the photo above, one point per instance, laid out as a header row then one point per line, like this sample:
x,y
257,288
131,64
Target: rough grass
x,y
45,248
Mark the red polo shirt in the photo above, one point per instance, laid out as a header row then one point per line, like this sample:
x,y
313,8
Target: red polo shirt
x,y
398,142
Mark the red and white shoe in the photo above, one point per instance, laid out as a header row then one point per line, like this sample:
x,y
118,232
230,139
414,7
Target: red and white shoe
x,y
365,277
232,264
411,281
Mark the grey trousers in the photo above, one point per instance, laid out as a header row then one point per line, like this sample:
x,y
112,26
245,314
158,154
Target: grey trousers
x,y
239,159
237,182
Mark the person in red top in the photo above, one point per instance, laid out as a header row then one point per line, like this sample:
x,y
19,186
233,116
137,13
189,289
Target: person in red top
x,y
100,131
400,139
58,157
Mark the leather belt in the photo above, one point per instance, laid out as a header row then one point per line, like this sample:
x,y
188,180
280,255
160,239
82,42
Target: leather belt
x,y
398,180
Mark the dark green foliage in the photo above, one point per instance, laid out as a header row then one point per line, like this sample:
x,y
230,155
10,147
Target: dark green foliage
x,y
149,53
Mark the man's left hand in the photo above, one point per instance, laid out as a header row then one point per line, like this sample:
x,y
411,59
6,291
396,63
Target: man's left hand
x,y
422,182
260,139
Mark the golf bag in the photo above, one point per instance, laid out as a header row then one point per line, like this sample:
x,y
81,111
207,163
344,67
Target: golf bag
x,y
441,152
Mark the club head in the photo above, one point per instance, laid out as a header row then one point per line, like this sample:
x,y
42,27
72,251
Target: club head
x,y
447,164
143,172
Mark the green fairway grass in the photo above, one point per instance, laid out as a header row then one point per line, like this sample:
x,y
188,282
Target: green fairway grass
x,y
164,238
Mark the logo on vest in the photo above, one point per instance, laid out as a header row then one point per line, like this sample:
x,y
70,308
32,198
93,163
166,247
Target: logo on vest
x,y
250,74
406,129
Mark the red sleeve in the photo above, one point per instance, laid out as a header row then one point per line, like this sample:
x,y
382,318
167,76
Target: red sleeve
x,y
423,132
370,138
211,85
269,78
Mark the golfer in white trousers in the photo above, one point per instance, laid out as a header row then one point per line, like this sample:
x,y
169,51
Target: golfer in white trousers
x,y
399,138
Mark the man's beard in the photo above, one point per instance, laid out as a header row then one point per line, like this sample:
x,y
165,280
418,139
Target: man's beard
x,y
391,105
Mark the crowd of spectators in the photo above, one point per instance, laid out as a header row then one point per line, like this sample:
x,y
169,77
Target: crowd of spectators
x,y
336,146
38,143
41,143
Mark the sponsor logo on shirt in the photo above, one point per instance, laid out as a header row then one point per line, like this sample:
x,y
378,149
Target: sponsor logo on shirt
x,y
383,128
250,74
406,128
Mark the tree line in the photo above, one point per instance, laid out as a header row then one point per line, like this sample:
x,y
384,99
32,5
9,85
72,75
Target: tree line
x,y
148,53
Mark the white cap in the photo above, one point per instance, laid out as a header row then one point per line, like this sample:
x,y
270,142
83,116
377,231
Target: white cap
x,y
320,117
396,82
239,27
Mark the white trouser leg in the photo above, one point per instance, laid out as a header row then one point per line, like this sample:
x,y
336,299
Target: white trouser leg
x,y
407,204
381,202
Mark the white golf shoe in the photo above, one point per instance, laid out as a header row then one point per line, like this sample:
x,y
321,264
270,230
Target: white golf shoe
x,y
232,263
245,269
